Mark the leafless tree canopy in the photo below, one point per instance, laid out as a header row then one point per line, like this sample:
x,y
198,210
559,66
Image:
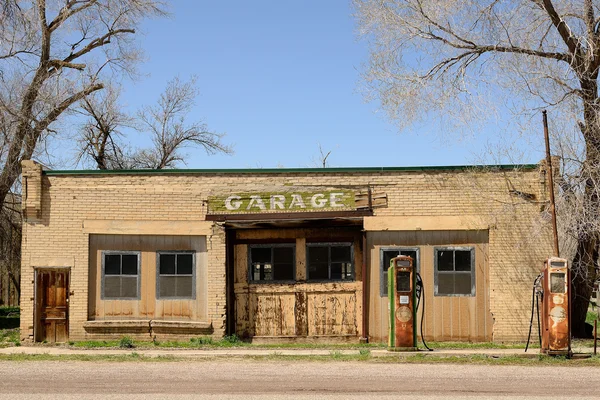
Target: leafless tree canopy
x,y
52,55
456,58
101,139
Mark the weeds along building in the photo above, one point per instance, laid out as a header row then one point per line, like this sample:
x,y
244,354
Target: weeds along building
x,y
279,254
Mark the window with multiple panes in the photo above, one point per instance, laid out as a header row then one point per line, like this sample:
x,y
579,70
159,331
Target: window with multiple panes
x,y
385,256
176,275
272,262
330,261
120,275
454,271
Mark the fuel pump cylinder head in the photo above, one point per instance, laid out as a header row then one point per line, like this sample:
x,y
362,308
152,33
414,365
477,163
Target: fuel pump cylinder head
x,y
401,292
556,330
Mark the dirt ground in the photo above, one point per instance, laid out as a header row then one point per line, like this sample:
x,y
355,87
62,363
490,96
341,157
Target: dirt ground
x,y
246,379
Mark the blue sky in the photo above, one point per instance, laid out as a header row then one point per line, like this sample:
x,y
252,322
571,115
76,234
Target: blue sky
x,y
279,78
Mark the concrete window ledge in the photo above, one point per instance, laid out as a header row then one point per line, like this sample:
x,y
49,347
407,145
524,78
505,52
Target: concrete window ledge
x,y
180,327
148,326
118,326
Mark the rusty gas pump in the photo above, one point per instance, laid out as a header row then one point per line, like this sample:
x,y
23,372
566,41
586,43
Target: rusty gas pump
x,y
555,310
402,295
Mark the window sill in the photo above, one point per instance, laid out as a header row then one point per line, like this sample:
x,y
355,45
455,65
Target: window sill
x,y
148,326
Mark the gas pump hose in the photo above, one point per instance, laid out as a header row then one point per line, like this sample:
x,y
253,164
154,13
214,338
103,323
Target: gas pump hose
x,y
422,293
534,303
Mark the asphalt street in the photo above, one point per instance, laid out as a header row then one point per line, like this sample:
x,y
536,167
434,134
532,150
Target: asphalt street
x,y
250,379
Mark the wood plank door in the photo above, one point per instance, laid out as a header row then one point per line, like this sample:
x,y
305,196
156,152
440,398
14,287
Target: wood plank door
x,y
52,301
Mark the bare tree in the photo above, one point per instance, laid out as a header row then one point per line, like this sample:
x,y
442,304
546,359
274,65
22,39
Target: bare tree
x,y
166,123
101,135
455,59
52,55
320,160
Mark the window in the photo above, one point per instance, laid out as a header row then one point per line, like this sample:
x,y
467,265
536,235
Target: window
x,y
120,275
176,275
385,256
455,271
272,262
330,261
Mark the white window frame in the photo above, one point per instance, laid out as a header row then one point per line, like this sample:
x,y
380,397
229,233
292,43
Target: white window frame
x,y
436,250
383,281
138,277
158,274
329,245
271,246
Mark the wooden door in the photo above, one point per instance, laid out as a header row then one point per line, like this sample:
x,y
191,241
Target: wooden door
x,y
52,301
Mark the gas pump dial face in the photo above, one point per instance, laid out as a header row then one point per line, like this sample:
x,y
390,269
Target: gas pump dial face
x,y
403,314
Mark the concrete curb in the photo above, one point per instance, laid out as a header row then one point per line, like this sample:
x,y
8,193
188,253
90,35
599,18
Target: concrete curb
x,y
244,352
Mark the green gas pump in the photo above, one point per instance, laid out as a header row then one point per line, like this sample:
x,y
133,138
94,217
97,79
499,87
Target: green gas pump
x,y
402,295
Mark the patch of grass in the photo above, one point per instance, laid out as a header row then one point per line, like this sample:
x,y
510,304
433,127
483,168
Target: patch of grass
x,y
479,345
133,357
126,343
10,337
94,344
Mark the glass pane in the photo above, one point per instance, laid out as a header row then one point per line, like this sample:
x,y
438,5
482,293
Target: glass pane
x,y
412,254
184,286
112,287
385,283
267,272
462,283
446,284
462,260
168,286
402,281
284,255
341,254
184,264
284,272
112,264
387,257
128,286
318,271
444,260
129,264
260,254
256,272
403,263
557,283
347,270
318,254
167,264
336,271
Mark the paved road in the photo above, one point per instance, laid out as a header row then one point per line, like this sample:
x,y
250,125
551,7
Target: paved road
x,y
247,380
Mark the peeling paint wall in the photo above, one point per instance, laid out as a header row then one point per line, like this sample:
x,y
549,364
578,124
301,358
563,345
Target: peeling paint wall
x,y
300,309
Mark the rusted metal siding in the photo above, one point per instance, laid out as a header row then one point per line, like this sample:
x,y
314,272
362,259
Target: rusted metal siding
x,y
446,318
148,306
299,309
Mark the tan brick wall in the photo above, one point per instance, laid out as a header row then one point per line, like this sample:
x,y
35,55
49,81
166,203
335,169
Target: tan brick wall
x,y
519,237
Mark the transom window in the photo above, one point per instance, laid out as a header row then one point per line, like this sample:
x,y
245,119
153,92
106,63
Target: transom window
x,y
330,261
455,271
385,256
176,275
272,262
120,275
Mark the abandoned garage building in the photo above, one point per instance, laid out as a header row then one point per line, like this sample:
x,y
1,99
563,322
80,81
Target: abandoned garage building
x,y
279,254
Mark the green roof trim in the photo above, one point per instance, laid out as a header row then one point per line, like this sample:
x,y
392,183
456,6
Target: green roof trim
x,y
285,170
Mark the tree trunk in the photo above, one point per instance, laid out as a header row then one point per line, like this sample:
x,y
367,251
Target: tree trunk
x,y
583,275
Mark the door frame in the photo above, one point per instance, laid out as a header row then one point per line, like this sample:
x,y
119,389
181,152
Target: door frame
x,y
36,316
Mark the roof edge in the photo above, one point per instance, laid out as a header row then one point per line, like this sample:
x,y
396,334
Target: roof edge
x,y
286,170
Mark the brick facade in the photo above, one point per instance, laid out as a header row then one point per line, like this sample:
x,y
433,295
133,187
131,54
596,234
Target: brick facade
x,y
63,209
